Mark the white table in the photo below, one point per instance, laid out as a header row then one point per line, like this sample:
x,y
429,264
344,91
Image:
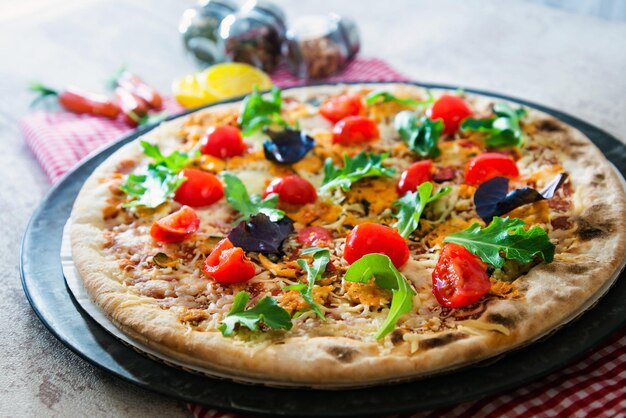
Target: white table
x,y
573,63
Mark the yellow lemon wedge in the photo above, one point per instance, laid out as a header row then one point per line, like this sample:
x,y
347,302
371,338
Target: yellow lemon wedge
x,y
219,82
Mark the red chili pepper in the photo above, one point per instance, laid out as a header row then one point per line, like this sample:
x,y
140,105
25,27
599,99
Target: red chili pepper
x,y
79,101
135,85
133,107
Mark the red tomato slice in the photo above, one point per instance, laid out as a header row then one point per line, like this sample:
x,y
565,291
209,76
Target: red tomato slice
x,y
176,227
342,106
451,110
416,174
486,166
200,188
368,238
459,278
223,142
228,264
292,189
312,236
354,130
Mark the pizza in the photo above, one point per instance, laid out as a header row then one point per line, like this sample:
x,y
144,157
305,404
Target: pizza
x,y
349,235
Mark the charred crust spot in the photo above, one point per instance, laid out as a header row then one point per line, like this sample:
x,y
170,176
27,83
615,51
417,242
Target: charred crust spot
x,y
342,354
577,268
588,230
497,318
549,125
396,337
440,341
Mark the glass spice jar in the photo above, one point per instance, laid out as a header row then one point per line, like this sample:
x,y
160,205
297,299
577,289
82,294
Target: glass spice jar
x,y
254,35
199,27
319,46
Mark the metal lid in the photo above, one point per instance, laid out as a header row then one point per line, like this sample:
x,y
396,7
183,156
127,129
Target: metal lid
x,y
267,8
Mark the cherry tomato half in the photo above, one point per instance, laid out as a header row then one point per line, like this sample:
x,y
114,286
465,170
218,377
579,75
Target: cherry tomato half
x,y
416,174
368,238
486,166
223,141
228,264
200,188
292,189
451,110
339,107
354,130
312,236
176,227
459,278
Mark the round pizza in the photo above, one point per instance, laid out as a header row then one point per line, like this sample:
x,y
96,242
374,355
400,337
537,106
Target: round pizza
x,y
349,235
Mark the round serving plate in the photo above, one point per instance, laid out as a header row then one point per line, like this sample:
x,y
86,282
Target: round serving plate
x,y
45,288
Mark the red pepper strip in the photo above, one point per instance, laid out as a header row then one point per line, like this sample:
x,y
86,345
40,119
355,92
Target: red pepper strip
x,y
79,101
135,85
133,107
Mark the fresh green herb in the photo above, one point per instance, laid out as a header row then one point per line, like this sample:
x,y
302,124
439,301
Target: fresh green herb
x,y
505,239
321,257
160,180
266,311
386,276
385,96
421,136
412,205
359,167
502,130
258,112
249,205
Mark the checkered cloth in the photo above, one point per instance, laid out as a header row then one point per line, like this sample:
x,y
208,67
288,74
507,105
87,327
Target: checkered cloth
x,y
595,386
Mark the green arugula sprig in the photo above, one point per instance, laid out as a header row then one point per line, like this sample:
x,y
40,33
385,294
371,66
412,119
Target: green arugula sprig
x,y
502,130
356,168
420,135
384,97
160,180
249,205
257,112
505,239
386,276
266,311
412,205
321,257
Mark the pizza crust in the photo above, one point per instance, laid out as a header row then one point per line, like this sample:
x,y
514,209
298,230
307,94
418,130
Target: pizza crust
x,y
554,293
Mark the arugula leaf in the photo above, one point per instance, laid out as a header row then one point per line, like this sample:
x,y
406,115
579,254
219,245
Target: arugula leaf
x,y
412,205
503,129
266,311
257,112
386,276
505,239
321,257
249,205
385,96
160,180
359,167
421,136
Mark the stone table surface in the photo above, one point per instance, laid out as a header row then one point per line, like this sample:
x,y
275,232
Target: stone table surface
x,y
569,62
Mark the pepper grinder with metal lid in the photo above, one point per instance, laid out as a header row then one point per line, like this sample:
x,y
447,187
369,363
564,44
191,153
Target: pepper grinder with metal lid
x,y
319,46
200,29
254,35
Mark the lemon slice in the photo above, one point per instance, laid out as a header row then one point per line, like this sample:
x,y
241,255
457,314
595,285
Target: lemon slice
x,y
234,79
190,91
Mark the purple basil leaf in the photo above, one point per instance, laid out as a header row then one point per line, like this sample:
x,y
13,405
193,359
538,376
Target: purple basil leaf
x,y
287,146
488,195
493,199
259,234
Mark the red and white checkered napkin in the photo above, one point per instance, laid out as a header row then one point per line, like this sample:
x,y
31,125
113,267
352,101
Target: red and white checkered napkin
x,y
595,386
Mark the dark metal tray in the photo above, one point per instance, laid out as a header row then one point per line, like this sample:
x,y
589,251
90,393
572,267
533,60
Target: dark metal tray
x,y
45,288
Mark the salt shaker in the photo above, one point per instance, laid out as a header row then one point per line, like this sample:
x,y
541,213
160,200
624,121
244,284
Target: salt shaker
x,y
254,35
200,29
319,46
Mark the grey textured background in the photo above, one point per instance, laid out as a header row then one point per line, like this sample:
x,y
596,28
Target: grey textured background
x,y
572,62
